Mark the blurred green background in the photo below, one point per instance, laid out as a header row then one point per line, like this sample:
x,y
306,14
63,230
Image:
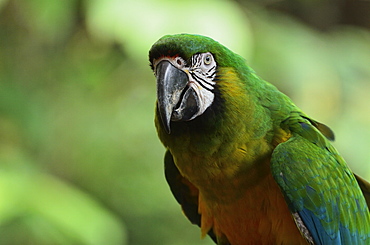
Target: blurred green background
x,y
80,162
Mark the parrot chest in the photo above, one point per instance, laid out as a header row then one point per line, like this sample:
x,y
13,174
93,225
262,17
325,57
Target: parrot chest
x,y
260,216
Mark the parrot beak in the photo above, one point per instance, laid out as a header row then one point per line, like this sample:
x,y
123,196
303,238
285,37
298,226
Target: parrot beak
x,y
171,82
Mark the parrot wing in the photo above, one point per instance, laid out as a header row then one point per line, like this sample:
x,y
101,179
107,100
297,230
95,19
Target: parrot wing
x,y
185,193
322,193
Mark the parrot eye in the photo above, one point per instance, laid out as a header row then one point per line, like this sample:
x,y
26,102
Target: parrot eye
x,y
207,59
204,66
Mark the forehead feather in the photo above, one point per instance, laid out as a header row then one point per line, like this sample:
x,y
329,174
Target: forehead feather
x,y
186,45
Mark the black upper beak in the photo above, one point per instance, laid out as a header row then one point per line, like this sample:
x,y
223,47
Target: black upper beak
x,y
171,82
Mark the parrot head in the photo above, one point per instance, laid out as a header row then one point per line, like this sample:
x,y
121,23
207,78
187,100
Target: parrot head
x,y
184,89
186,69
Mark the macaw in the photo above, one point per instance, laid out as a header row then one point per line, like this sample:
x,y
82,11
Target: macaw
x,y
244,162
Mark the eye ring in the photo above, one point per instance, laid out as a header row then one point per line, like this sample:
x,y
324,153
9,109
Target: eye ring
x,y
207,59
179,62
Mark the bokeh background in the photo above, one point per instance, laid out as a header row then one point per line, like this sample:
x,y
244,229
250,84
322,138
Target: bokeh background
x,y
80,162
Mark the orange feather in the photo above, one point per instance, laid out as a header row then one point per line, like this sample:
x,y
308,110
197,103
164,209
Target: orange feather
x,y
259,217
